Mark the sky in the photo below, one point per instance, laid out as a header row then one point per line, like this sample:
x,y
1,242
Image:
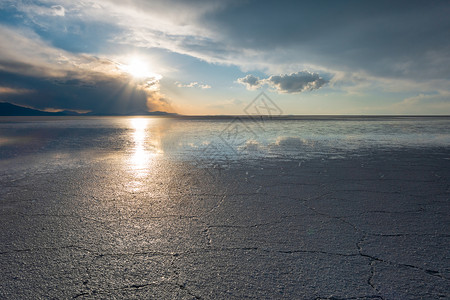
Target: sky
x,y
214,57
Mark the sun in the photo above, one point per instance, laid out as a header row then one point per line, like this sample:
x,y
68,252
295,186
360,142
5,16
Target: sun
x,y
139,69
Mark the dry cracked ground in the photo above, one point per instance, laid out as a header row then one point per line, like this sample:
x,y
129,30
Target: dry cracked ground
x,y
374,226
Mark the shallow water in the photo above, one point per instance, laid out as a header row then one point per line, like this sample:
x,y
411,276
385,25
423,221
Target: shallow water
x,y
216,139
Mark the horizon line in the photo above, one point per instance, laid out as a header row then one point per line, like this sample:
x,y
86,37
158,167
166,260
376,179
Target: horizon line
x,y
177,115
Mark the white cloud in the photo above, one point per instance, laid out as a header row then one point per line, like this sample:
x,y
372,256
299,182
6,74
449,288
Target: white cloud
x,y
437,103
23,52
37,9
193,84
286,83
251,82
58,10
296,82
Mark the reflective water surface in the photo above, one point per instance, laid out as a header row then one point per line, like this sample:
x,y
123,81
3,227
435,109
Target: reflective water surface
x,y
45,144
140,140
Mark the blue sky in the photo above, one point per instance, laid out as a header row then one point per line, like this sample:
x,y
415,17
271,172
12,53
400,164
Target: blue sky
x,y
214,57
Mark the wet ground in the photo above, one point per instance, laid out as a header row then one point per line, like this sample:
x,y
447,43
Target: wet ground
x,y
374,226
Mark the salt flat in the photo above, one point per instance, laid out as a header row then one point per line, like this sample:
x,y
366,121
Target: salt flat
x,y
372,226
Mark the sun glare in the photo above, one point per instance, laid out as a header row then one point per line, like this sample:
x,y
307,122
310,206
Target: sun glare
x,y
144,147
140,156
139,69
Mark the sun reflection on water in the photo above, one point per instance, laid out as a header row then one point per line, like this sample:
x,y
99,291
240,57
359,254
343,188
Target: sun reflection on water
x,y
144,149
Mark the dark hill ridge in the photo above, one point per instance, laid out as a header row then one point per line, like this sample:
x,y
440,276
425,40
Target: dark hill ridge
x,y
8,109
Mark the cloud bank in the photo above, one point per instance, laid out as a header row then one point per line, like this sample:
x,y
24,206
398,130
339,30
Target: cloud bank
x,y
62,80
405,39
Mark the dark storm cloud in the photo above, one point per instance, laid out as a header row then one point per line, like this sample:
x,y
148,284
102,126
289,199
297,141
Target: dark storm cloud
x,y
386,38
62,80
109,95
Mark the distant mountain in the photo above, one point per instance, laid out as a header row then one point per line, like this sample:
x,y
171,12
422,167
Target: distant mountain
x,y
8,109
147,113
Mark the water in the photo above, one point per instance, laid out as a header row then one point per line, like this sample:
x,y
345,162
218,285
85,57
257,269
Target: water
x,y
231,138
